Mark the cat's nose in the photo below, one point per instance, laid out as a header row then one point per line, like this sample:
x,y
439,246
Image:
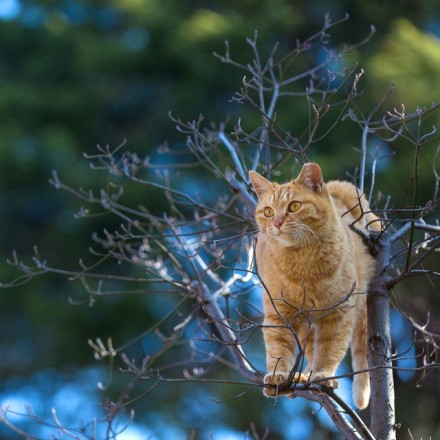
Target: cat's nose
x,y
278,222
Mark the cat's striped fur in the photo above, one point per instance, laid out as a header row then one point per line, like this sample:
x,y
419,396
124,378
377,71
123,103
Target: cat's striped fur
x,y
315,271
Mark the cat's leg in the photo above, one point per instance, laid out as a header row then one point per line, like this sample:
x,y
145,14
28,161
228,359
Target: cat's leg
x,y
332,336
305,355
307,347
280,339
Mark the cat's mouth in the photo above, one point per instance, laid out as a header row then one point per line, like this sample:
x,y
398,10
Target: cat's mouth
x,y
283,235
275,232
291,238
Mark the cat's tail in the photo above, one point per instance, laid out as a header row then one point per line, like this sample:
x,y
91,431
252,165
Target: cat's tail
x,y
361,381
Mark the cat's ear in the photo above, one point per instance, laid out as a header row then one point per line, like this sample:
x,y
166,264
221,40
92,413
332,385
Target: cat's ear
x,y
311,177
260,184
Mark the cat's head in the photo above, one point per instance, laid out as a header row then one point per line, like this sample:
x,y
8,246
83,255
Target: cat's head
x,y
295,213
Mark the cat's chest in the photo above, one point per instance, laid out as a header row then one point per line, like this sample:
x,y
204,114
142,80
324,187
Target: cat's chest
x,y
294,264
292,272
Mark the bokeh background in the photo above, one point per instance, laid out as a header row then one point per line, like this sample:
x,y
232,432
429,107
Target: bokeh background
x,y
76,73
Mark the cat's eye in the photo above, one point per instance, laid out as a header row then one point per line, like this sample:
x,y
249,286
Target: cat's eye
x,y
268,212
294,206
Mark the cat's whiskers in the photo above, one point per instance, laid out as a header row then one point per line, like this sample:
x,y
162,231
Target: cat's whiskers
x,y
292,231
303,233
302,236
309,229
299,238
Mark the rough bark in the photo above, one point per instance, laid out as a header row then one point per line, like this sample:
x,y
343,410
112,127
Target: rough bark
x,y
379,348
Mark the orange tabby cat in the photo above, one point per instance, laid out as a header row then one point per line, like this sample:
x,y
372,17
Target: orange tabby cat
x,y
315,271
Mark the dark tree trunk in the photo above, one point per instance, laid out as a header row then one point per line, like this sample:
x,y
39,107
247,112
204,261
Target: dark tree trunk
x,y
379,348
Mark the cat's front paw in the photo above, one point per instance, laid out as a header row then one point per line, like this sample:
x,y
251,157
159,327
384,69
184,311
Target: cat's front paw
x,y
329,383
280,382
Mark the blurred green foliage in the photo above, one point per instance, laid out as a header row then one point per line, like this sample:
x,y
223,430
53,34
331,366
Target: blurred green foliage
x,y
75,73
409,57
